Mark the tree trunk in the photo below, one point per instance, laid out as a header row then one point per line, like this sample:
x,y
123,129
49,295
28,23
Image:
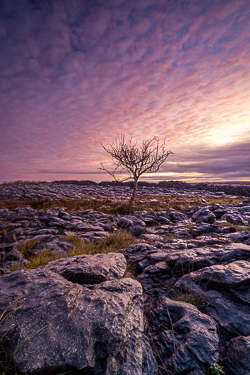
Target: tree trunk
x,y
132,199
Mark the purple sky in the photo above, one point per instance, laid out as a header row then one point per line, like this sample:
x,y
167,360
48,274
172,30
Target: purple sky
x,y
74,73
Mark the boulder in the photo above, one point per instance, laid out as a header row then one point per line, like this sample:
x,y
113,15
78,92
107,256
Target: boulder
x,y
14,254
237,361
176,216
89,269
203,215
226,294
50,325
137,254
55,247
161,219
137,230
235,218
184,339
240,236
203,228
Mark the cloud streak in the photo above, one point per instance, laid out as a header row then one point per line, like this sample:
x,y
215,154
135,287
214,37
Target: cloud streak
x,y
76,73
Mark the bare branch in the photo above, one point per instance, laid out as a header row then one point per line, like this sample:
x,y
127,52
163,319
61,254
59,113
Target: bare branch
x,y
136,159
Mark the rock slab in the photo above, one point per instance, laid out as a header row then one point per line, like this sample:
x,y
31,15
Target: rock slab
x,y
50,324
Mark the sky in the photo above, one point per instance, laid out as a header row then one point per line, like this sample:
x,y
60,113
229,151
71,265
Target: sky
x,y
76,73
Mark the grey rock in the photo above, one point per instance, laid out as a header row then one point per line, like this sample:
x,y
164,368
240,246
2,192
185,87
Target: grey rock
x,y
160,219
137,221
240,236
182,260
174,263
88,228
226,229
235,218
14,254
54,246
89,269
219,212
57,222
151,237
197,258
44,231
53,325
245,210
237,361
137,254
225,290
176,216
202,228
203,215
182,232
137,230
184,338
10,237
4,212
124,223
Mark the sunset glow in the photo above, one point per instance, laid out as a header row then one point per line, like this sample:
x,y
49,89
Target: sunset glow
x,y
76,73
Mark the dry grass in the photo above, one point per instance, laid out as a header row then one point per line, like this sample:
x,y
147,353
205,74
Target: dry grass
x,y
109,205
169,237
240,229
225,224
195,300
25,248
237,227
112,243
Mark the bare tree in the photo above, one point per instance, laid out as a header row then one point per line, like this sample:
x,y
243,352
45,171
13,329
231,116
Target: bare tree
x,y
135,158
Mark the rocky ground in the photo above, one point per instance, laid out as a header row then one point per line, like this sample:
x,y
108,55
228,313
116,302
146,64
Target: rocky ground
x,y
183,306
80,189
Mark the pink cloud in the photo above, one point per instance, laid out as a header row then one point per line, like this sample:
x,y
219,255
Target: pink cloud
x,y
81,75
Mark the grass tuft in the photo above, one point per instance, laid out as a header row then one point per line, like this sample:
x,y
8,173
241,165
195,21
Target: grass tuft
x,y
194,300
25,248
110,244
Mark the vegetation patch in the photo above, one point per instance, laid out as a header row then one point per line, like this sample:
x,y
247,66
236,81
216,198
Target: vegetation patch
x,y
110,205
25,248
193,299
110,244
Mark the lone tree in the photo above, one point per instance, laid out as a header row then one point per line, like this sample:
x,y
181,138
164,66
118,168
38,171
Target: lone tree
x,y
135,158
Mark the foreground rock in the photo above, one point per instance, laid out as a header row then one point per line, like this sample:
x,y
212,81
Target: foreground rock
x,y
50,324
183,338
89,269
237,361
193,267
225,291
161,264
